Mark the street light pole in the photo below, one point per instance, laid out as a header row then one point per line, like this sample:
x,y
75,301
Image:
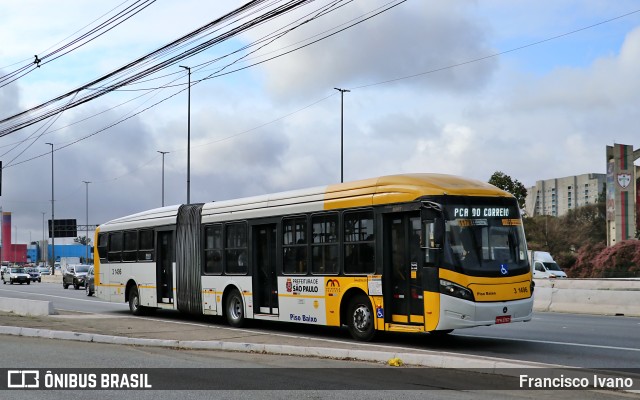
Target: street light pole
x,y
163,153
53,220
42,243
188,138
86,260
342,91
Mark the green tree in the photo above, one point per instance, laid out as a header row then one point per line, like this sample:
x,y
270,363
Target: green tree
x,y
513,186
82,240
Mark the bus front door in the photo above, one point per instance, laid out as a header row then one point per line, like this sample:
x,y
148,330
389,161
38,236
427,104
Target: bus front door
x,y
266,282
403,266
164,266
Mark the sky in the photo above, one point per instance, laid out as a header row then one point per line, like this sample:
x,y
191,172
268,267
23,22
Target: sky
x,y
536,90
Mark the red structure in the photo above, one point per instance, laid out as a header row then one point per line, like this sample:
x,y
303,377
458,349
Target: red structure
x,y
14,253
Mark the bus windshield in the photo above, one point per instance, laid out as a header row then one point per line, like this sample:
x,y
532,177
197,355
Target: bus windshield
x,y
485,240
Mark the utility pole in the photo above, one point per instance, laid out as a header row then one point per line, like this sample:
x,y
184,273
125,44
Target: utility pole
x,y
53,220
163,153
86,260
45,253
342,91
188,138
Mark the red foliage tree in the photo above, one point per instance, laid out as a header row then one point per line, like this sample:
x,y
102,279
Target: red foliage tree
x,y
598,261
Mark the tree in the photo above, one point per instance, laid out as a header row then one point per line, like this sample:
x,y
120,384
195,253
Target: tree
x,y
82,240
513,186
599,261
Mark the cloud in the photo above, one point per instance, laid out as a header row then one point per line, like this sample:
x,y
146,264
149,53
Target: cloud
x,y
405,40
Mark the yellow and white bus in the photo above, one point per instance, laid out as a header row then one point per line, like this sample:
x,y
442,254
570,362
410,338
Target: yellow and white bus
x,y
405,253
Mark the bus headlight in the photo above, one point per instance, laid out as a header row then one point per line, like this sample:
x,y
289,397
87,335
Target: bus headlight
x,y
451,289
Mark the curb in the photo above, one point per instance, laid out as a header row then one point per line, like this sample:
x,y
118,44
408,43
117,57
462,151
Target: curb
x,y
422,360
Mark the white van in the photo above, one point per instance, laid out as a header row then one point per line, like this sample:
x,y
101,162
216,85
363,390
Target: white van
x,y
544,266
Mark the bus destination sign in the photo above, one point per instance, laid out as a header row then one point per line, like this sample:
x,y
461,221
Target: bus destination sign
x,y
481,212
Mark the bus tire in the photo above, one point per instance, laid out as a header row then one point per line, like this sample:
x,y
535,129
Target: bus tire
x,y
134,302
360,318
234,309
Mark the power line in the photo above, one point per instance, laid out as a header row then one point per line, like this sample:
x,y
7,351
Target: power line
x,y
78,42
352,88
24,118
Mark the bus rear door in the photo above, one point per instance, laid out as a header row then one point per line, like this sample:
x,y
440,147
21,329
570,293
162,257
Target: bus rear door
x,y
164,266
265,277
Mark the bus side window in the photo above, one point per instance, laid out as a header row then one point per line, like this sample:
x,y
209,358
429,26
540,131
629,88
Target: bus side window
x,y
324,245
429,241
213,249
294,245
359,240
103,246
236,248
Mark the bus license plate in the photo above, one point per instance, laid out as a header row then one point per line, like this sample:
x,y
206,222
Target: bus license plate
x,y
503,319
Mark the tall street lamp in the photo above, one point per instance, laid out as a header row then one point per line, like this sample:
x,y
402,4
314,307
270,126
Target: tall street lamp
x,y
163,153
188,138
342,91
44,255
53,220
87,227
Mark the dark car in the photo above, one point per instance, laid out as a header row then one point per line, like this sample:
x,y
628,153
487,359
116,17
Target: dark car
x,y
34,274
89,286
75,275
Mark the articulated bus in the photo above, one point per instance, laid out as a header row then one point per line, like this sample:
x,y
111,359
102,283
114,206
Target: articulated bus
x,y
404,253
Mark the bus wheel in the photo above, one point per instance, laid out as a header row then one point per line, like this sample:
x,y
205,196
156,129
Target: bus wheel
x,y
360,319
134,302
235,309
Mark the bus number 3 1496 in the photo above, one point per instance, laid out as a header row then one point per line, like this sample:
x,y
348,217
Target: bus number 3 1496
x,y
521,289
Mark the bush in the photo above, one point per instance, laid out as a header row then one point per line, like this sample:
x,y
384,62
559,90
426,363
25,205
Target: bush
x,y
599,261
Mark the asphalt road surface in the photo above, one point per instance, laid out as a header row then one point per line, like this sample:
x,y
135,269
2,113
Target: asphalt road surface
x,y
253,376
586,341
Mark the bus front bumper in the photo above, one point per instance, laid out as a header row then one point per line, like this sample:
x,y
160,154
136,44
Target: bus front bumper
x,y
456,313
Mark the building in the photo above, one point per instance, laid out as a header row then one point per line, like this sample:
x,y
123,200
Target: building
x,y
559,195
11,253
623,193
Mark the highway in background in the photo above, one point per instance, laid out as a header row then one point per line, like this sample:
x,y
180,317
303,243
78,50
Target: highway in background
x,y
587,341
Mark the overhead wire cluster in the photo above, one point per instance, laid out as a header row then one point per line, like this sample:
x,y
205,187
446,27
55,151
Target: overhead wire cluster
x,y
76,42
271,9
248,16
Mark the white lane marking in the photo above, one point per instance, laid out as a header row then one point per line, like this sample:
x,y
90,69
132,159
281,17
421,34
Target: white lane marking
x,y
597,346
341,341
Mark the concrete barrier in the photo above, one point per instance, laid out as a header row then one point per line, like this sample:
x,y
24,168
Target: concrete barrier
x,y
26,307
57,278
588,296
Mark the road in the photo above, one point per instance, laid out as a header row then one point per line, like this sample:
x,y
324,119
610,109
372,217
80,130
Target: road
x,y
253,376
586,341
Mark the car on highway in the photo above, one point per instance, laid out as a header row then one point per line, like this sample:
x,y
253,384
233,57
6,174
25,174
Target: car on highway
x,y
17,275
44,270
34,274
89,286
75,275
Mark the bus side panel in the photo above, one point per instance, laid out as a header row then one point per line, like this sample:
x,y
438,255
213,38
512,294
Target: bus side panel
x,y
219,285
431,310
302,299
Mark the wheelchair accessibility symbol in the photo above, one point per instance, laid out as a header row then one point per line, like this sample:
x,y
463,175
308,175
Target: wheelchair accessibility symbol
x,y
503,269
379,312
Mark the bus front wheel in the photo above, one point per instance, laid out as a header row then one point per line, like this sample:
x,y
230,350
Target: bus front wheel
x,y
360,319
235,309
